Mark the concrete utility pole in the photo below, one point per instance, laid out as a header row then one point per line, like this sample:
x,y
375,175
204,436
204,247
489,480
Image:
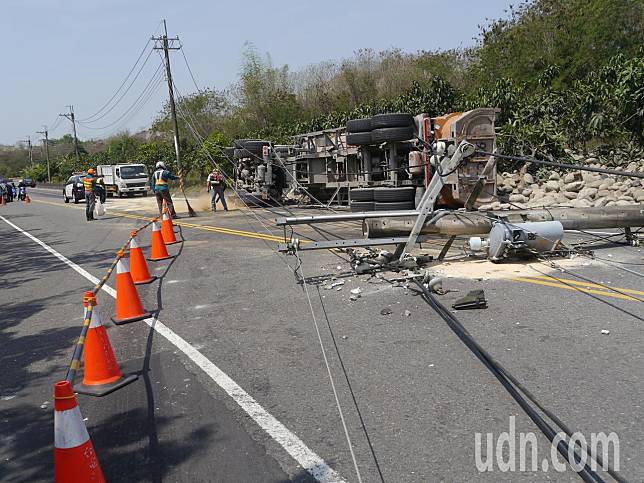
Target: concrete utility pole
x,y
31,155
46,142
70,116
165,46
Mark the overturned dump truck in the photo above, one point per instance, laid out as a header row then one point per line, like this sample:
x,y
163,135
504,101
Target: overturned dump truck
x,y
380,163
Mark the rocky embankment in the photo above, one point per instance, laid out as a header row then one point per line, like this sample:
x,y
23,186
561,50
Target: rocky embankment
x,y
576,189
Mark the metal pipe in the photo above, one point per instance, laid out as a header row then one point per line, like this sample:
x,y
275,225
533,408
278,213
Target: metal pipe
x,y
477,223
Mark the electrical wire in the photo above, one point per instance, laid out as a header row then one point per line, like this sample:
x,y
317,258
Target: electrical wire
x,y
328,368
151,85
89,118
102,116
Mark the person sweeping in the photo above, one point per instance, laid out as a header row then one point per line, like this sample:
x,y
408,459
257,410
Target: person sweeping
x,y
161,189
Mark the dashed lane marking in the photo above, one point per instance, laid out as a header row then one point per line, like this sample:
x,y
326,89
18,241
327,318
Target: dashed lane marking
x,y
294,446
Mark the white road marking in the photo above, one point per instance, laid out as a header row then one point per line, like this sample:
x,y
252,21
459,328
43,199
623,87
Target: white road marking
x,y
293,445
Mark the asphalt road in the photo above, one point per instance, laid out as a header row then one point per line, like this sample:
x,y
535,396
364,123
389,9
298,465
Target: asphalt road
x,y
421,393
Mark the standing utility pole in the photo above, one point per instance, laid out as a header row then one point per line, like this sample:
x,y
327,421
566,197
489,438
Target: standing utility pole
x,y
31,156
165,46
46,141
70,116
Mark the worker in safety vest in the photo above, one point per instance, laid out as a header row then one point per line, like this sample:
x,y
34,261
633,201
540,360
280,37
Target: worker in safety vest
x,y
89,184
161,188
217,184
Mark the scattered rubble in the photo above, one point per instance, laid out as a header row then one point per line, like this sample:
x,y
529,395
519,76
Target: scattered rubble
x,y
386,311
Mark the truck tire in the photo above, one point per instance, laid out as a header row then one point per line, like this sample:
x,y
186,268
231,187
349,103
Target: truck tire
x,y
361,206
359,125
391,134
405,193
359,138
361,194
394,206
396,119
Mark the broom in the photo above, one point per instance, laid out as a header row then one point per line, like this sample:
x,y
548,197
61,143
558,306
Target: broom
x,y
191,212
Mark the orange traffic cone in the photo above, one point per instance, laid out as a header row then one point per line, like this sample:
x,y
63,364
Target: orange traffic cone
x,y
138,266
128,304
102,374
167,231
159,251
27,199
74,455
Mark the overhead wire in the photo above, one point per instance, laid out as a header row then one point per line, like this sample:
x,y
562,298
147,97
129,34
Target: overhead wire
x,y
89,118
151,85
305,286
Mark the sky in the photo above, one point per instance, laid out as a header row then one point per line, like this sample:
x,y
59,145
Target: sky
x,y
78,52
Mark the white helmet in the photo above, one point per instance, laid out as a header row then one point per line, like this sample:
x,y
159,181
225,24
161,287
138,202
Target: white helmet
x,y
160,164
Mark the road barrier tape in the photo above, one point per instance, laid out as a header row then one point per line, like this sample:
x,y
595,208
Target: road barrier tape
x,y
75,363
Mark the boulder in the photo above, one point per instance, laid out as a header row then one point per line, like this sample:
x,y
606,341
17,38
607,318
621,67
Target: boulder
x,y
601,193
527,192
528,178
570,195
587,193
600,202
595,183
574,186
554,176
570,177
639,195
581,203
552,185
623,203
516,198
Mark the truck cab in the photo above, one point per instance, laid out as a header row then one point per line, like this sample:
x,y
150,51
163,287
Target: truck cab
x,y
124,179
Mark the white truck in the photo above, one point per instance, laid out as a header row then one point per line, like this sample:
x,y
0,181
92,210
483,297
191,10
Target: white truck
x,y
124,179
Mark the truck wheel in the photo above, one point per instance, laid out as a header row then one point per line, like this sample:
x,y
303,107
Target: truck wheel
x,y
405,193
359,138
145,193
392,134
359,125
394,206
76,200
362,206
397,119
361,194
65,197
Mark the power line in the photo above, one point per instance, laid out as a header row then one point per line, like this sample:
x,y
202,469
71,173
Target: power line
x,y
121,86
84,123
156,77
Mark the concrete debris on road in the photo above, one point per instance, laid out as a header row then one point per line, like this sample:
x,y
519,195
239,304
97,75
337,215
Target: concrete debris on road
x,y
385,311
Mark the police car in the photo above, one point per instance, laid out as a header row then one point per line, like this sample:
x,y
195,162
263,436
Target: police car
x,y
74,189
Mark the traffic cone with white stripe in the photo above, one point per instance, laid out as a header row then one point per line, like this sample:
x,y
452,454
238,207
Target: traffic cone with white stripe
x,y
128,304
166,230
138,266
102,374
159,251
74,456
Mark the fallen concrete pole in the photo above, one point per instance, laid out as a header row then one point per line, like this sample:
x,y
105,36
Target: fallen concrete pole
x,y
480,222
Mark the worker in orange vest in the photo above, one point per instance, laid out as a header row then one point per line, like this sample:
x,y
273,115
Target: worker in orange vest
x,y
89,184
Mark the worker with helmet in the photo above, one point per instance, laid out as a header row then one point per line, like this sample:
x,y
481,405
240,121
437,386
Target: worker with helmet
x,y
89,184
161,188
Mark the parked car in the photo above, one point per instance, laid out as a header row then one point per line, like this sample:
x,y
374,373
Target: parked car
x,y
74,189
